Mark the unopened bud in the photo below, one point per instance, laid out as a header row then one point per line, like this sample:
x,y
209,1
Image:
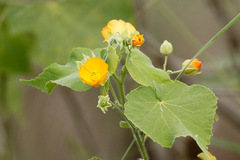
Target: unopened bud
x,y
204,156
103,103
166,48
193,68
138,40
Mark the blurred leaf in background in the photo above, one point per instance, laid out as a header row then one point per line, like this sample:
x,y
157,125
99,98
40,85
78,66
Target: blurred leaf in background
x,y
56,27
62,25
14,60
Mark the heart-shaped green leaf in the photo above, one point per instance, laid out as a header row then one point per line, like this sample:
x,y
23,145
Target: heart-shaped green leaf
x,y
142,71
65,75
173,110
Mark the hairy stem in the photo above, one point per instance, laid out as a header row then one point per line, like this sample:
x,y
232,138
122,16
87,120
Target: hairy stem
x,y
136,134
113,92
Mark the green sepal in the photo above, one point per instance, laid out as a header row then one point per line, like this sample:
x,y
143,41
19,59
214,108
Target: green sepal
x,y
64,75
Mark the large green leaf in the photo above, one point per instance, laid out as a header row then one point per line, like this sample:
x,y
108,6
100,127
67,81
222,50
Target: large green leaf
x,y
65,75
173,110
142,71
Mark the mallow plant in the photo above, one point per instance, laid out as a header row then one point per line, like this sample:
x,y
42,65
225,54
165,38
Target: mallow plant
x,y
161,108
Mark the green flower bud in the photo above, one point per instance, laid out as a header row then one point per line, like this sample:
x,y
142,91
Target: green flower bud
x,y
103,103
166,48
117,42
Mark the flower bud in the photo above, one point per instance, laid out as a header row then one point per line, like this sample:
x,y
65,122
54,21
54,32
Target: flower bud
x,y
138,40
103,103
193,68
166,48
204,156
117,42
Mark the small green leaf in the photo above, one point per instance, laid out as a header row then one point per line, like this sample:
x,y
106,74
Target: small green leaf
x,y
94,158
65,75
124,124
142,71
173,110
112,60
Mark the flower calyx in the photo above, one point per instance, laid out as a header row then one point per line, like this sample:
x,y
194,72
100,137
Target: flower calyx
x,y
122,36
104,103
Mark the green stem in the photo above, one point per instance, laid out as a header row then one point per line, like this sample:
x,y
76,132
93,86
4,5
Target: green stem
x,y
116,78
121,87
113,92
165,63
174,72
124,72
214,38
145,138
137,136
135,132
128,149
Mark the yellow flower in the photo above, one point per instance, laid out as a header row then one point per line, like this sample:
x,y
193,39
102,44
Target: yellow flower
x,y
138,40
94,71
203,156
115,26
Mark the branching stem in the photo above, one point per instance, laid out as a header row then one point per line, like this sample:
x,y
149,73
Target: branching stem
x,y
136,134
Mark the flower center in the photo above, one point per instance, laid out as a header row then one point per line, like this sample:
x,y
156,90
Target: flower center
x,y
95,76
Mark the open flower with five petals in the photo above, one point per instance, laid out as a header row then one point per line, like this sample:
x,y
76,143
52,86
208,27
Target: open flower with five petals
x,y
94,71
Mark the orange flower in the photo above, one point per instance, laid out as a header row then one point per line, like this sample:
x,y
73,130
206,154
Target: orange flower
x,y
196,63
115,26
94,71
193,68
138,40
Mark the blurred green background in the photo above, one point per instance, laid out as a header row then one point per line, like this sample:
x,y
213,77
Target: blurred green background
x,y
66,125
